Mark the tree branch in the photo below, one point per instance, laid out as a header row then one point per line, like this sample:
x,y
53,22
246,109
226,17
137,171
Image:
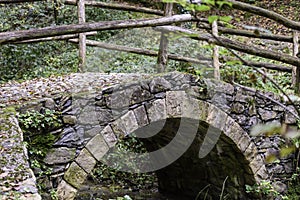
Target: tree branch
x,y
17,1
142,51
62,37
265,13
119,6
221,41
245,33
13,36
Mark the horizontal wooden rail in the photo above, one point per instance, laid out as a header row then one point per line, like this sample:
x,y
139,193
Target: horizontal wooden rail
x,y
62,37
251,34
17,1
14,36
119,6
225,42
265,13
205,61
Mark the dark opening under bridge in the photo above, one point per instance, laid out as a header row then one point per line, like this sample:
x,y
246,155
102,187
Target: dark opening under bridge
x,y
196,130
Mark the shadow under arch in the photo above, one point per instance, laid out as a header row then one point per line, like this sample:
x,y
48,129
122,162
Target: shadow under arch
x,y
176,105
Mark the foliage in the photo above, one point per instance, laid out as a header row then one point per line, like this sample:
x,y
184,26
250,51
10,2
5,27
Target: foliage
x,y
263,189
293,192
111,174
28,61
35,125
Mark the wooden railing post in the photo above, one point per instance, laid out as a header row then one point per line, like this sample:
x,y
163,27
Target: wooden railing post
x,y
162,59
296,69
82,36
216,63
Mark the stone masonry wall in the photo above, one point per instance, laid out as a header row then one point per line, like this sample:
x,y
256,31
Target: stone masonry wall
x,y
91,102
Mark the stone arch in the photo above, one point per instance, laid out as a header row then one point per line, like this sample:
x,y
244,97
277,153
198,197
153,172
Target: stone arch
x,y
175,104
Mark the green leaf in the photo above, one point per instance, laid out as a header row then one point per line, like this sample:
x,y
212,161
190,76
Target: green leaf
x,y
212,18
202,8
234,62
222,3
210,2
225,18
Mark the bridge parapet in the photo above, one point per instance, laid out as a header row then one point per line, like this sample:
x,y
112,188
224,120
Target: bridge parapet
x,y
96,114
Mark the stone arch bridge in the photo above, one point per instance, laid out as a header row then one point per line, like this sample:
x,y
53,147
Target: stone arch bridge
x,y
196,130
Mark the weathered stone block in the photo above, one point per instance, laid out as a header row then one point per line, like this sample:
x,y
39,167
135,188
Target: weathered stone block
x,y
174,102
75,175
49,103
251,152
141,116
220,101
97,147
88,115
252,110
109,136
69,119
244,142
60,155
267,115
157,110
216,117
66,191
92,132
159,85
86,160
256,163
118,128
233,130
237,108
261,174
129,122
242,97
288,117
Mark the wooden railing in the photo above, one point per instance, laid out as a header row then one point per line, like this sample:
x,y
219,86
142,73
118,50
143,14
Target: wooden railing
x,y
83,29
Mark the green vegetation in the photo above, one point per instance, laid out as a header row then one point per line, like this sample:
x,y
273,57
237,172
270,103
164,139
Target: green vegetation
x,y
28,61
36,127
110,171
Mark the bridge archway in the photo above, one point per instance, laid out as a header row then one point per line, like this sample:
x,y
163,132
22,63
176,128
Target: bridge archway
x,y
217,136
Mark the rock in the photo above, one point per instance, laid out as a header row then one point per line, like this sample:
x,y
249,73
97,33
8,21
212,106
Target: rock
x,y
267,115
220,100
280,187
288,117
60,155
66,191
69,119
238,108
70,138
49,103
86,161
88,115
27,186
159,85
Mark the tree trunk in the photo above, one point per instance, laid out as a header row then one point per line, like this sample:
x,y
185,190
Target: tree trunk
x,y
82,36
216,63
13,36
162,59
296,69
